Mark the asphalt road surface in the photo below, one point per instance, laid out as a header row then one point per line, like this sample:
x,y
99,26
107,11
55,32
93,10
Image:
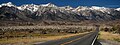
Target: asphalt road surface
x,y
86,39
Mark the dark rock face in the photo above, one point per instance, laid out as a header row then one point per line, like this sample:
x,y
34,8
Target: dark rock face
x,y
12,13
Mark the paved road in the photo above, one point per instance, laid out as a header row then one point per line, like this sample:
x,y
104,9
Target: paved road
x,y
86,39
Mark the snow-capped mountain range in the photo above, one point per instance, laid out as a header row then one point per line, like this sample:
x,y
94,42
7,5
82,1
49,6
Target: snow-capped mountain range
x,y
33,7
52,12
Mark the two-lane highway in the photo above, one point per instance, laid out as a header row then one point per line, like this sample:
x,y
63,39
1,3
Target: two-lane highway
x,y
86,39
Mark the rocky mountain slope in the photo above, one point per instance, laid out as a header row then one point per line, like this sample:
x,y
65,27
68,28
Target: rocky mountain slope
x,y
51,12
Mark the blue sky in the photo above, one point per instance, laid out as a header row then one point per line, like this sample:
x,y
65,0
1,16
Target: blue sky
x,y
73,3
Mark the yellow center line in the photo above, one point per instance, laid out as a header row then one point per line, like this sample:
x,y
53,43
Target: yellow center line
x,y
73,40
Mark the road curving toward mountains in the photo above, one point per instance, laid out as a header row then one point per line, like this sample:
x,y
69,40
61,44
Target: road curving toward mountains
x,y
86,39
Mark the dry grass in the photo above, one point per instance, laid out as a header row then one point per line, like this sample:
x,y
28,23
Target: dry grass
x,y
36,39
109,36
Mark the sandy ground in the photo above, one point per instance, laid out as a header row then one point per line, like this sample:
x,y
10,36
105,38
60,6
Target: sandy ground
x,y
108,42
107,38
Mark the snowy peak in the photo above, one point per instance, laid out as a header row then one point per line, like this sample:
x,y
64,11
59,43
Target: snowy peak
x,y
49,5
34,8
93,8
30,7
7,4
102,9
68,7
80,8
118,9
99,8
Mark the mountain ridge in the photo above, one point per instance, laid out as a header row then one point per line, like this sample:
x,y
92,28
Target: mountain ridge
x,y
51,12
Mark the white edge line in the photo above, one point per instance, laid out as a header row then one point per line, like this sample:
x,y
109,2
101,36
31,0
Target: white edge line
x,y
94,41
